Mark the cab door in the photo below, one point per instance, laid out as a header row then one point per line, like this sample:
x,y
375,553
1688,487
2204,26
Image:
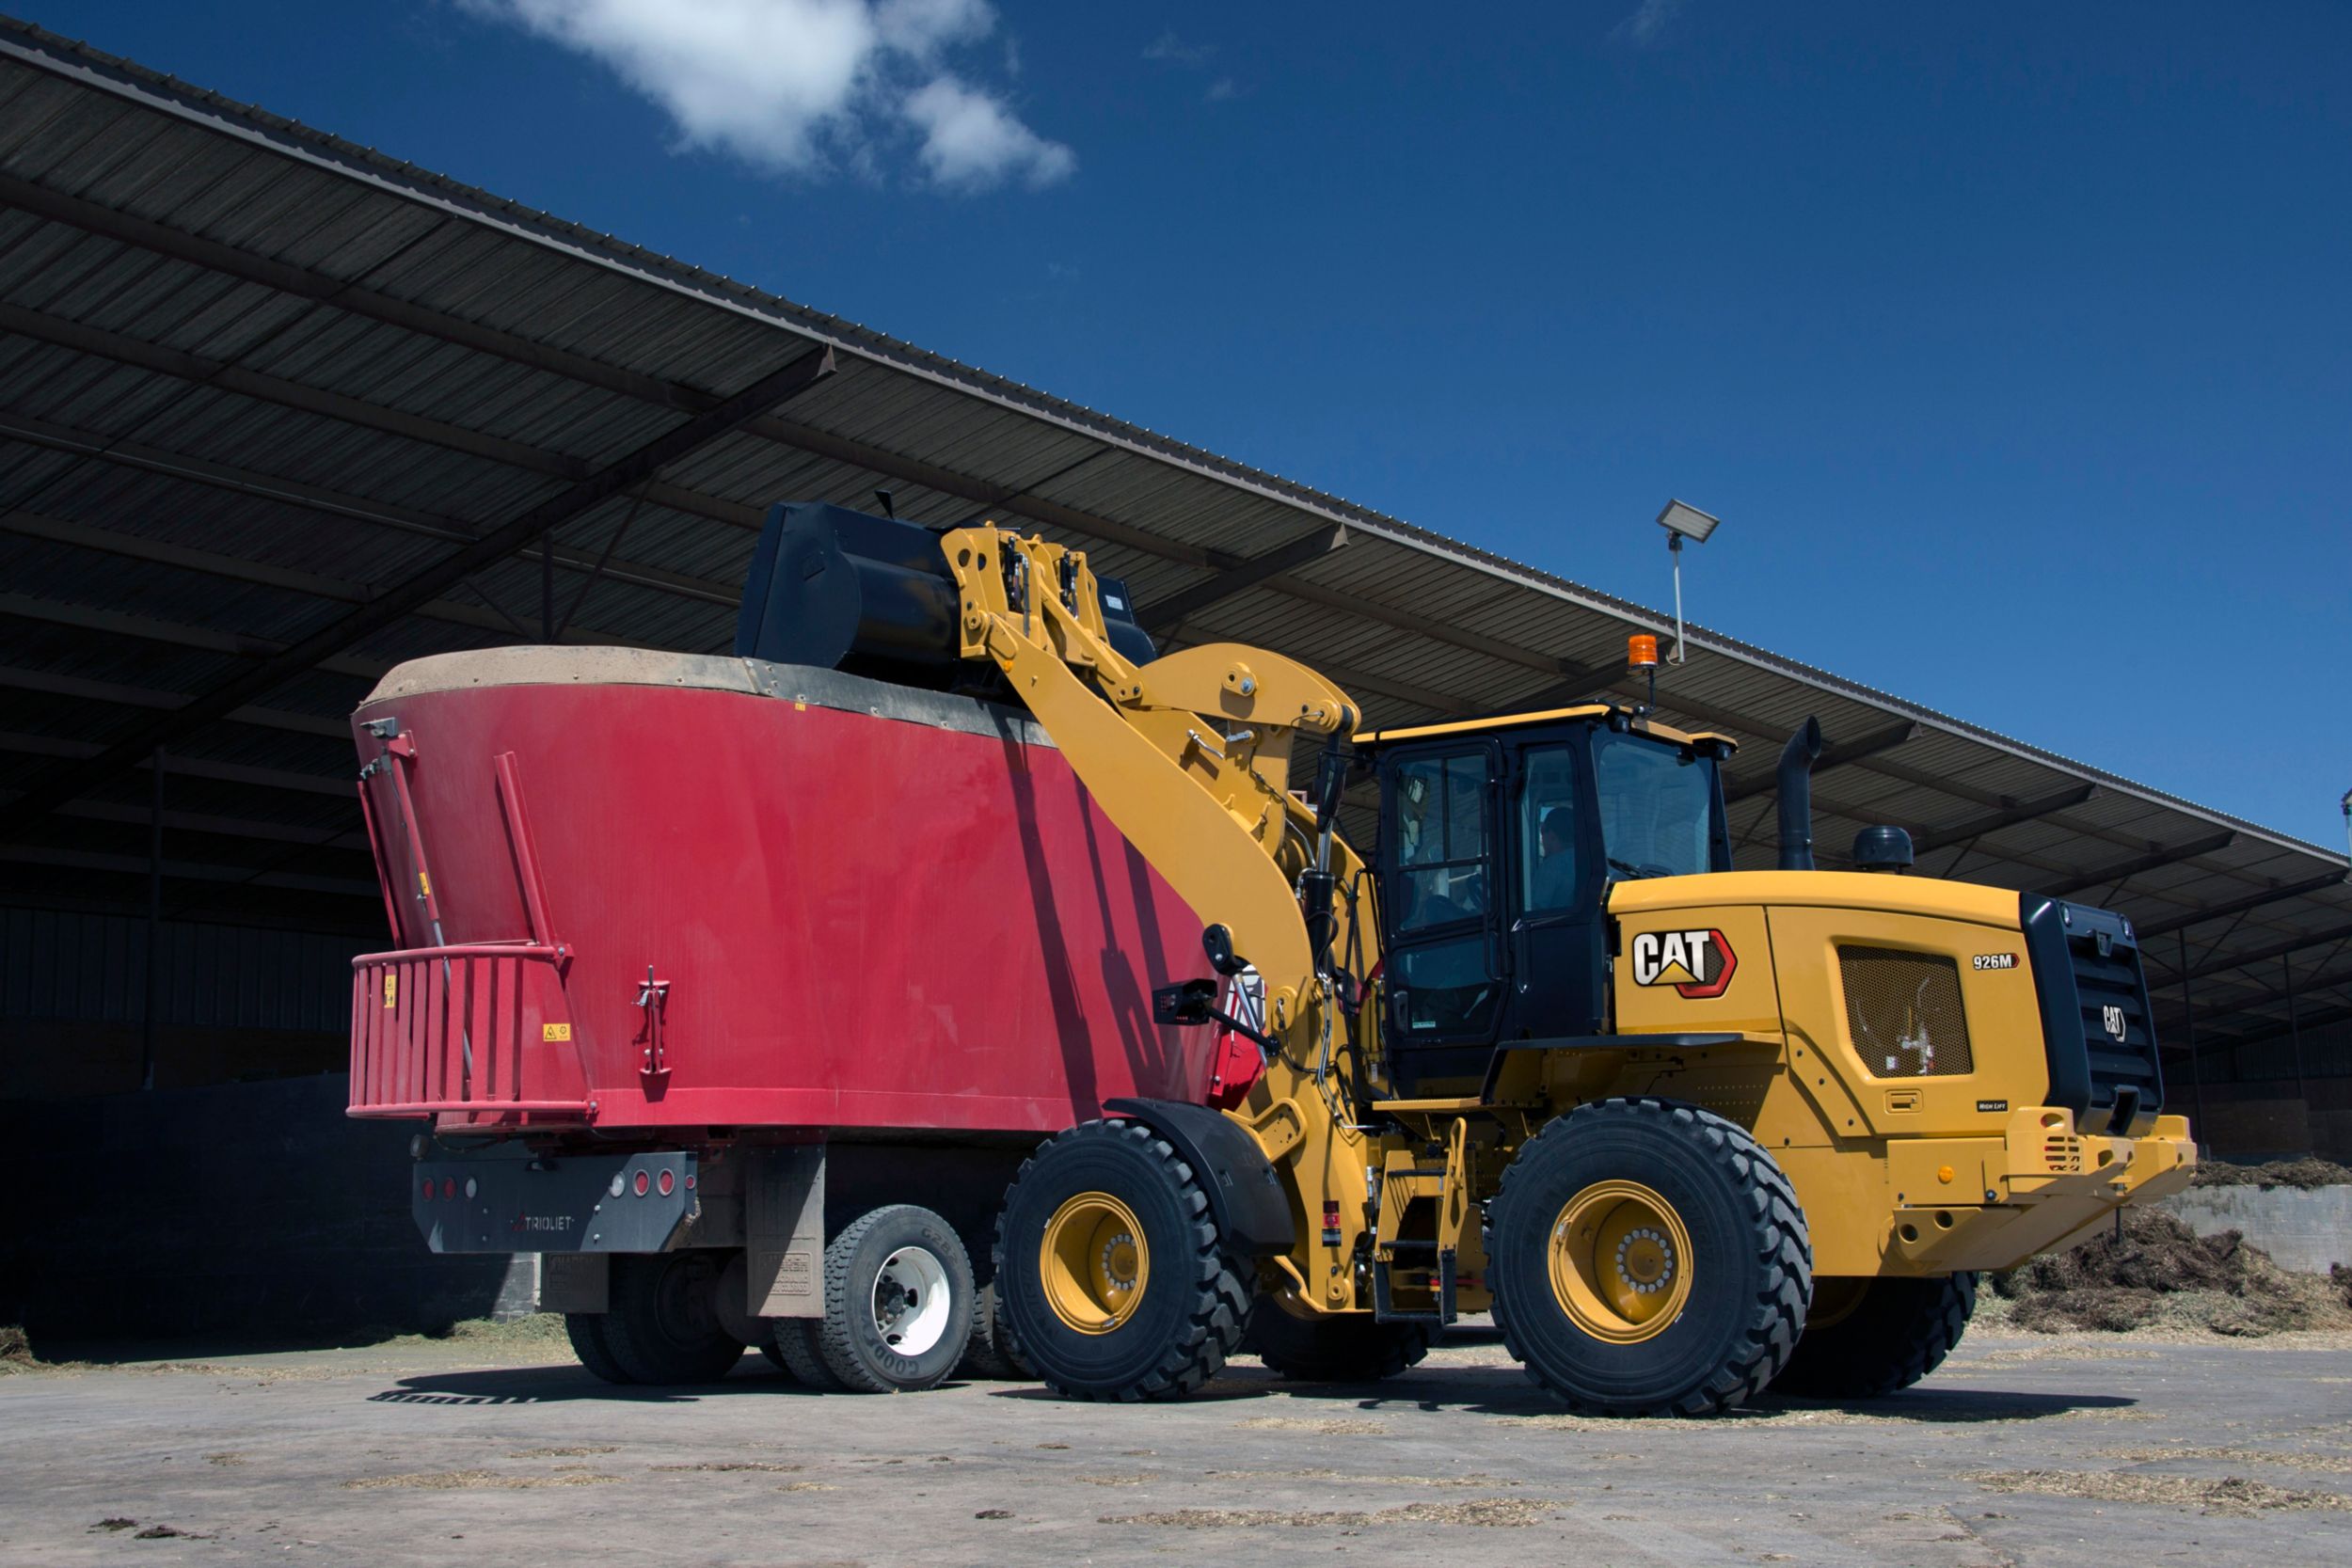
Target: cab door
x,y
1557,930
1439,897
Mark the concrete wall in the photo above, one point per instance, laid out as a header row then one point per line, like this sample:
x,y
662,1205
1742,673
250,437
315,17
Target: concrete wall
x,y
2302,1230
231,1210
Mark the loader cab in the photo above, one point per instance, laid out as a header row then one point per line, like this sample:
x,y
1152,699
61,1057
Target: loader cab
x,y
1498,843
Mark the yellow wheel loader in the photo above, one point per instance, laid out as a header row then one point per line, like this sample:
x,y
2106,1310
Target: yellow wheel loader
x,y
1534,1048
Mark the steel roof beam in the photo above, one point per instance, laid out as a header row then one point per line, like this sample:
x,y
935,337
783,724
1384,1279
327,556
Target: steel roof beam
x,y
421,587
2240,906
220,827
344,294
1961,832
123,350
1173,610
132,546
83,690
2122,870
2239,961
182,765
313,497
186,871
177,633
1838,753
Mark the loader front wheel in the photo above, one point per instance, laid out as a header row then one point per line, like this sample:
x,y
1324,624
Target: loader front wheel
x,y
1112,1279
1341,1348
1648,1259
1882,1335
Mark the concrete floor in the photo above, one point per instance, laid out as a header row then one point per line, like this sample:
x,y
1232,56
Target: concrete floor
x,y
2021,1451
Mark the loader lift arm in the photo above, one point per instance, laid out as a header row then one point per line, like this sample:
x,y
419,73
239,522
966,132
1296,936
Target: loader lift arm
x,y
1188,756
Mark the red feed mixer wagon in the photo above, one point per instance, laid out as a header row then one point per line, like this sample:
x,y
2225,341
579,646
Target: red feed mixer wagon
x,y
705,960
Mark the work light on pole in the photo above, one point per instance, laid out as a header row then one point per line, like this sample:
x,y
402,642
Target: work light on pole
x,y
1683,522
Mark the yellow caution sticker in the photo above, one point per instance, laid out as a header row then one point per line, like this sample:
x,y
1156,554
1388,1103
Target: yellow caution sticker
x,y
424,885
392,988
554,1032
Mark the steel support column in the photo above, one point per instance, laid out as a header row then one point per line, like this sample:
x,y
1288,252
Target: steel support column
x,y
153,990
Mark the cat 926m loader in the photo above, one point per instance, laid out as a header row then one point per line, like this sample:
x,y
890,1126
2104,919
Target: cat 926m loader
x,y
947,977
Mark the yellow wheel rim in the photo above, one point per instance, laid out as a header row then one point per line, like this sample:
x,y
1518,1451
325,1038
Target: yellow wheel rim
x,y
1094,1264
1620,1261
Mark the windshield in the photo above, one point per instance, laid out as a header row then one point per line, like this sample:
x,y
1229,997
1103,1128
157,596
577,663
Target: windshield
x,y
1656,805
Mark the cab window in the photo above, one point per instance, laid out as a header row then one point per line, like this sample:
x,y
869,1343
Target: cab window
x,y
1441,841
1657,806
1549,819
1441,954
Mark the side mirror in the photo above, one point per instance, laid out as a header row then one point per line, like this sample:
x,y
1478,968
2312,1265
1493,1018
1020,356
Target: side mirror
x,y
1218,944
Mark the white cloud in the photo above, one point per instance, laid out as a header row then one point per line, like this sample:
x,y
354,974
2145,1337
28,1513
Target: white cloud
x,y
1649,22
808,87
1168,47
969,140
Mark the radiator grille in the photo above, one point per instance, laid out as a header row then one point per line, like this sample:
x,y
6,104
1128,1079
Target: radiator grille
x,y
1904,1013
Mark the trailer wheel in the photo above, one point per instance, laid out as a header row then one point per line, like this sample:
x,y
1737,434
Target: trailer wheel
x,y
990,1355
794,1341
587,1332
665,1323
1648,1259
898,1302
1877,1335
1341,1348
1114,1281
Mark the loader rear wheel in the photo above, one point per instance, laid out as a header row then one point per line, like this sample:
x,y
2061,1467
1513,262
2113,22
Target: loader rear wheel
x,y
1114,1281
587,1332
898,1302
665,1323
1648,1259
1350,1348
1885,1336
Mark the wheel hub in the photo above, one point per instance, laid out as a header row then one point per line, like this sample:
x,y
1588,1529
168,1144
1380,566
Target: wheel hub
x,y
1093,1263
1620,1261
911,1305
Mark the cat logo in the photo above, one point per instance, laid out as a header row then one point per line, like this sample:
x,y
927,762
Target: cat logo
x,y
2111,1019
1699,964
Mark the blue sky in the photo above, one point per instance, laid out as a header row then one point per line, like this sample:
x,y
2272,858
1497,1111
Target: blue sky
x,y
2013,342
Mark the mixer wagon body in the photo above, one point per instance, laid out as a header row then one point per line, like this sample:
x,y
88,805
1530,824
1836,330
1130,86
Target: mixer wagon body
x,y
681,892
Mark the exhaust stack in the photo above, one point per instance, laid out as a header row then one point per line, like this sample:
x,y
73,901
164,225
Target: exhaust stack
x,y
1796,797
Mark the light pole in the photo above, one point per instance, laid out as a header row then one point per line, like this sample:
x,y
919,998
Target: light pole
x,y
1688,522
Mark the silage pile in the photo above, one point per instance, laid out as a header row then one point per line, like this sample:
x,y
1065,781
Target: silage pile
x,y
2159,1273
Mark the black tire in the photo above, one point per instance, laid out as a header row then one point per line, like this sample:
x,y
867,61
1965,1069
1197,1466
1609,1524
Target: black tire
x,y
794,1341
1734,1308
664,1327
989,1356
1345,1348
765,1345
587,1332
898,1302
1896,1334
1192,1298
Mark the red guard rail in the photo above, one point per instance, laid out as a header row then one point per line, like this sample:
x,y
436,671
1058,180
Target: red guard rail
x,y
480,1030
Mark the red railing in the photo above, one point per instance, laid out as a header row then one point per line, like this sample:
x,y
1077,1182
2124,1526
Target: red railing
x,y
481,1030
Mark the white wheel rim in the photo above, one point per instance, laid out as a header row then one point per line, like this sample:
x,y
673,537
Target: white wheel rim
x,y
909,1304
